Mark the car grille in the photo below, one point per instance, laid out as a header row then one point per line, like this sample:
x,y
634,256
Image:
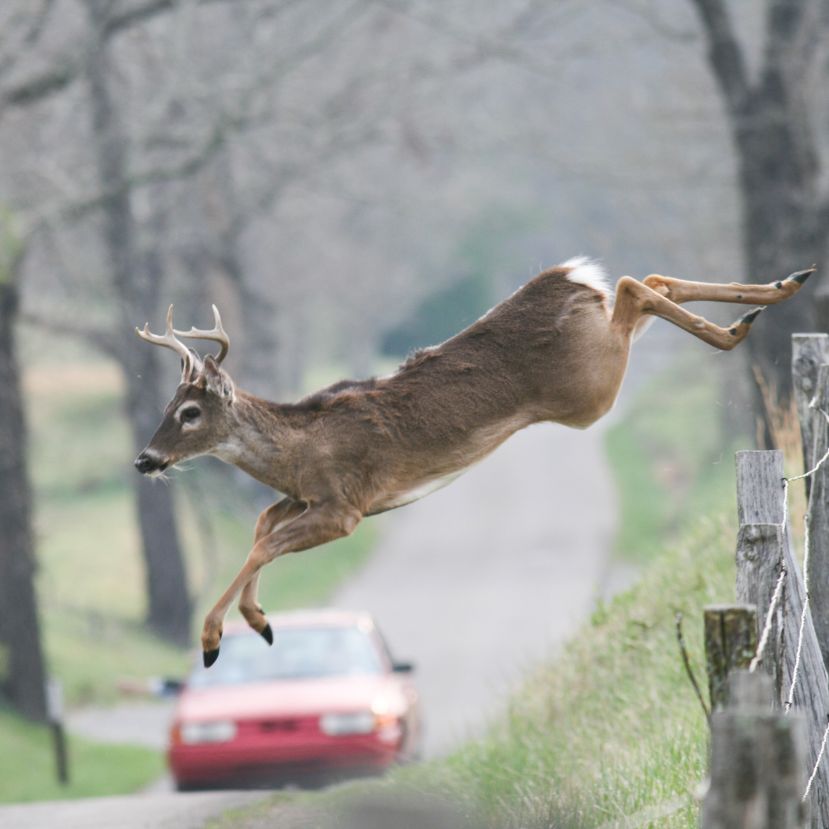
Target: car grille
x,y
282,726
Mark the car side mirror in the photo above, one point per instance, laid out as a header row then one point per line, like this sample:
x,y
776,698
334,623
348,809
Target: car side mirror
x,y
170,687
403,667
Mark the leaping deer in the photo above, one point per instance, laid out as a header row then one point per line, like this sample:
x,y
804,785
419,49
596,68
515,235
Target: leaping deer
x,y
556,350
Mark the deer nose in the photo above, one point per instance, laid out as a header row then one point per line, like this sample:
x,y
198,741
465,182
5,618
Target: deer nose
x,y
145,463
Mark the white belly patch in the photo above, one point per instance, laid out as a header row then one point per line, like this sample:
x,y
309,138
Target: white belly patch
x,y
417,492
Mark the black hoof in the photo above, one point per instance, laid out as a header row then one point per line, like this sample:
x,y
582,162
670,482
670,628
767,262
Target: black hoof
x,y
801,276
747,319
267,634
210,657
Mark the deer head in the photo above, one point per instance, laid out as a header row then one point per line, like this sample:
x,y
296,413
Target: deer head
x,y
198,418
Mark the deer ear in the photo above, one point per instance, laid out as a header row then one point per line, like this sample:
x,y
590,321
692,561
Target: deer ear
x,y
217,380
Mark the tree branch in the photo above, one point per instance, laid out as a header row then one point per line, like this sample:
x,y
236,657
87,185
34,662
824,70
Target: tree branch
x,y
724,54
68,68
790,41
97,337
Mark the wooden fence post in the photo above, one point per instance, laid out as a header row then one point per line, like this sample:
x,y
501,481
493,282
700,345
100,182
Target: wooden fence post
x,y
730,643
818,513
760,502
760,563
758,768
809,352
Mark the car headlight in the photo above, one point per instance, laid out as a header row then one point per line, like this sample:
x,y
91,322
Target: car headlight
x,y
336,725
215,731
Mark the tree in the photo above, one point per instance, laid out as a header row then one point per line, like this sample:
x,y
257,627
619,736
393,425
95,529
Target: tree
x,y
785,216
22,672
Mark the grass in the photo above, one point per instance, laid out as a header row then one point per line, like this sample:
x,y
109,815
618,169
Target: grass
x,y
611,729
94,770
670,461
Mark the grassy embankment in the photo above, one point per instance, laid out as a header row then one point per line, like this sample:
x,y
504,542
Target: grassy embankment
x,y
611,728
90,579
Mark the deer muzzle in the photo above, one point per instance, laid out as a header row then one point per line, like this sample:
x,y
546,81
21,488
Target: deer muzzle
x,y
148,462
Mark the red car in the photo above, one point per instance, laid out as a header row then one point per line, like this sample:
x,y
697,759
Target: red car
x,y
326,700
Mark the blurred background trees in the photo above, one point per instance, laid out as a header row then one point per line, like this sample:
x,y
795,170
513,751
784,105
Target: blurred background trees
x,y
349,181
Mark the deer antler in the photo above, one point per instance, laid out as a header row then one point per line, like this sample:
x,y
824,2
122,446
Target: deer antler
x,y
217,334
169,340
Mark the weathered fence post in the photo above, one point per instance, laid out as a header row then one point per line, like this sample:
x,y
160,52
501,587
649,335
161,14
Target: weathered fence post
x,y
818,513
760,565
809,352
730,643
758,766
760,503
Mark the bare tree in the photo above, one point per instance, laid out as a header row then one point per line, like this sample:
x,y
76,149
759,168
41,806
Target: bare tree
x,y
22,675
771,114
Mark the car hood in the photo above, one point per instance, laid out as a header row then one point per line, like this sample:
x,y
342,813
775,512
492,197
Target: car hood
x,y
290,698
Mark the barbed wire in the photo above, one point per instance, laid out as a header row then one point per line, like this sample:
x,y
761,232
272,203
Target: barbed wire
x,y
764,638
806,601
817,763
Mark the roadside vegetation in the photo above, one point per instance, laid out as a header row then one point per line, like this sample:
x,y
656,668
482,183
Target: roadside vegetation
x,y
90,568
671,460
611,729
27,765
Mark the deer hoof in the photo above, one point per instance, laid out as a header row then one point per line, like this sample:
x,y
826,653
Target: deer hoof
x,y
267,633
747,319
210,657
801,276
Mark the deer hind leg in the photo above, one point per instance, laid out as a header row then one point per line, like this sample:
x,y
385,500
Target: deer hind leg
x,y
681,290
276,514
635,299
315,525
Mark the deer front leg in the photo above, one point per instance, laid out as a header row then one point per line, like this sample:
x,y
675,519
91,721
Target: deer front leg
x,y
320,522
269,519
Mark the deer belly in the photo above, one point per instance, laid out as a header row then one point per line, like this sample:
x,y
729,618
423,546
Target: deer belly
x,y
419,490
478,445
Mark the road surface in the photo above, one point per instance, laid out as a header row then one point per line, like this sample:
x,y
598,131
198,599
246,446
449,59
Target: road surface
x,y
483,579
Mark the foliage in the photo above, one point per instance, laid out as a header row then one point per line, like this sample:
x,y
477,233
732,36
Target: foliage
x,y
27,765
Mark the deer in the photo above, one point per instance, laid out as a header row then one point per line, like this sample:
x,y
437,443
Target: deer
x,y
556,350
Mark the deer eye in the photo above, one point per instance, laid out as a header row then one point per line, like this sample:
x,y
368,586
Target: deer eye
x,y
189,414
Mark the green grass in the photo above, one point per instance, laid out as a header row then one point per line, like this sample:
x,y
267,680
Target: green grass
x,y
669,461
27,765
612,727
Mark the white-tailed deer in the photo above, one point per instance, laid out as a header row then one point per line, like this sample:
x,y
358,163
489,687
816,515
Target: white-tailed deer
x,y
556,350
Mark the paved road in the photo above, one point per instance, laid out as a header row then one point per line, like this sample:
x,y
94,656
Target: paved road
x,y
486,577
157,811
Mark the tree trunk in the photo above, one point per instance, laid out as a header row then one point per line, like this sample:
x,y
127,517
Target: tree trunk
x,y
780,210
136,282
22,672
169,605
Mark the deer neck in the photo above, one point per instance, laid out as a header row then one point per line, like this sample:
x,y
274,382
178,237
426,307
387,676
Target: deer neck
x,y
259,441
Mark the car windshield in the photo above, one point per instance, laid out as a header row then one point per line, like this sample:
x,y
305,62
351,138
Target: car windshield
x,y
297,653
